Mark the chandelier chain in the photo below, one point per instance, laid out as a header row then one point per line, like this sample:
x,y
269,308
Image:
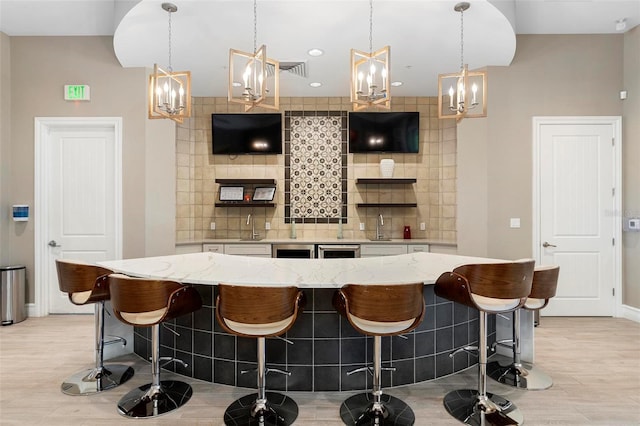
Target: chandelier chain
x,y
255,26
461,39
370,26
170,69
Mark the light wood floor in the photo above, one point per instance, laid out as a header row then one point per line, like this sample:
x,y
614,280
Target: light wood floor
x,y
595,364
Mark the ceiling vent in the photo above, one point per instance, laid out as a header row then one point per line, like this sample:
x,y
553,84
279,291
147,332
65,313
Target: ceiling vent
x,y
298,68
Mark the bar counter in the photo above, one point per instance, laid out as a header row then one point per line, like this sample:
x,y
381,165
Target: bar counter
x,y
321,346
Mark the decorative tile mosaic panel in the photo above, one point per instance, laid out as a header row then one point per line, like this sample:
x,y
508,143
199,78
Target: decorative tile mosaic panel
x,y
315,166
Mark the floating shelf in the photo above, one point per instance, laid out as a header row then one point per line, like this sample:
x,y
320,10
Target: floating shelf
x,y
245,204
247,181
388,181
387,205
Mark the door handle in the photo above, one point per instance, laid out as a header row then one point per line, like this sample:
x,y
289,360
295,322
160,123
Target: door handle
x,y
546,244
53,243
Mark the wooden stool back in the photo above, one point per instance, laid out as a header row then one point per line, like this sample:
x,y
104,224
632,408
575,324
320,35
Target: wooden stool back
x,y
79,277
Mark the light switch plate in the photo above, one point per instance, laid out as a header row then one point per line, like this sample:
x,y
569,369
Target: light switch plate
x,y
361,226
515,222
267,225
213,226
423,226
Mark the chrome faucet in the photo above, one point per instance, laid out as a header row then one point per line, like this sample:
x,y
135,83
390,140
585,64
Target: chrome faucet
x,y
379,225
254,234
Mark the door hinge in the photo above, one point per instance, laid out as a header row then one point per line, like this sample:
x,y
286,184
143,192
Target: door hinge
x,y
613,141
613,192
613,241
613,291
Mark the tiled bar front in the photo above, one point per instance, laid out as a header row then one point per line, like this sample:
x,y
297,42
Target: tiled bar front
x,y
324,347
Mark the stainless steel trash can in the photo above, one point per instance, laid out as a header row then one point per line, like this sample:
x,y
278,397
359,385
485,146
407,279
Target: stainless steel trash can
x,y
12,294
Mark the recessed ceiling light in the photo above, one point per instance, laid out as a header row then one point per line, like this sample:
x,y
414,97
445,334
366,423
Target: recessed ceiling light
x,y
315,84
236,84
621,24
315,52
396,83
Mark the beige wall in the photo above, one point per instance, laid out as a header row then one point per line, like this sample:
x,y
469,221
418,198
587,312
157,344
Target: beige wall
x,y
549,76
472,187
40,67
631,166
5,152
160,188
434,167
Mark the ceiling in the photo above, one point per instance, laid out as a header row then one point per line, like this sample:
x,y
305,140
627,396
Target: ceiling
x,y
424,35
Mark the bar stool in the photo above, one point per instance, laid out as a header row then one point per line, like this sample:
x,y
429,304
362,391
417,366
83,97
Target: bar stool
x,y
85,283
148,303
489,288
379,310
543,288
259,312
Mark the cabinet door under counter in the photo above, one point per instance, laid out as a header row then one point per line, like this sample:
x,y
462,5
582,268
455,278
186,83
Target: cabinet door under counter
x,y
374,250
213,248
418,248
252,249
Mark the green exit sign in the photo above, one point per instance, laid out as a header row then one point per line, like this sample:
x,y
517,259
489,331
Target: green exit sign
x,y
77,92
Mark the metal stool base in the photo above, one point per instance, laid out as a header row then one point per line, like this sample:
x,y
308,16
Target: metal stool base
x,y
89,382
357,410
525,377
171,395
463,405
281,411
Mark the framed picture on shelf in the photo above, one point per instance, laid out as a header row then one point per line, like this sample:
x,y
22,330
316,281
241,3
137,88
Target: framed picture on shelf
x,y
264,193
231,193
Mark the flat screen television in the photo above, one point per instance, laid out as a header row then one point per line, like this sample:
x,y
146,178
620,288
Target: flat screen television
x,y
246,133
384,132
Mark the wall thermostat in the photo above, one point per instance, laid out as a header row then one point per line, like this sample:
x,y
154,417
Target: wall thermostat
x,y
20,212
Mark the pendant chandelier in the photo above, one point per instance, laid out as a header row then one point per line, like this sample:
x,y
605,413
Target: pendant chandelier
x,y
370,74
169,91
253,78
462,94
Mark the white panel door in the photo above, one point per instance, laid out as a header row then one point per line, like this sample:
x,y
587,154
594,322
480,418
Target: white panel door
x,y
576,213
81,190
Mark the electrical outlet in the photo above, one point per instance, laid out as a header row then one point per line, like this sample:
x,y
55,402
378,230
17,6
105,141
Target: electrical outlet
x,y
423,226
361,226
213,226
267,225
514,222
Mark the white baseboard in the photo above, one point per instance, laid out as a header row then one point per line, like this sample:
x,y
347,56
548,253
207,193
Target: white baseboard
x,y
32,310
630,313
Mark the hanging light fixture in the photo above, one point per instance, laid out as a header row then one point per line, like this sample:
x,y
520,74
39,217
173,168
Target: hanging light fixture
x,y
462,94
253,78
169,91
370,74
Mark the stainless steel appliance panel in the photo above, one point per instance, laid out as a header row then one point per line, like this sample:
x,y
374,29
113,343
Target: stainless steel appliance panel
x,y
338,251
293,251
